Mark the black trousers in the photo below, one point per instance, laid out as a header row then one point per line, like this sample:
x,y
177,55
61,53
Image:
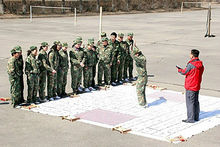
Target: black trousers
x,y
192,105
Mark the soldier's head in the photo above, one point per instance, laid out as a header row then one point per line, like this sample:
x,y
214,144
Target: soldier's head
x,y
105,41
32,50
79,38
59,46
44,46
90,43
113,36
120,37
65,46
16,51
77,43
55,44
130,36
103,34
194,53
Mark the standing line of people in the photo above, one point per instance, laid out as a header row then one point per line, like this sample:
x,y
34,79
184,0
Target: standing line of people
x,y
112,57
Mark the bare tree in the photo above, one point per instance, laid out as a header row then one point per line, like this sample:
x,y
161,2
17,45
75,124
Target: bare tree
x,y
127,4
113,5
43,2
80,6
63,5
1,7
98,5
24,7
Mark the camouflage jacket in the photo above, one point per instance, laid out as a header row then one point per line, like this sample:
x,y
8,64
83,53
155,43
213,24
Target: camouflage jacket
x,y
90,58
20,64
31,65
53,57
13,68
130,43
115,47
63,60
43,59
140,62
105,54
77,56
123,49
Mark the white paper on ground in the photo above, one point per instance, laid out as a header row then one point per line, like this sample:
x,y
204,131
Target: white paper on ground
x,y
162,120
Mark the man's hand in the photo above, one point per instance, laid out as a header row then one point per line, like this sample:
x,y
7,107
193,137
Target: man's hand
x,y
178,67
81,64
54,71
118,61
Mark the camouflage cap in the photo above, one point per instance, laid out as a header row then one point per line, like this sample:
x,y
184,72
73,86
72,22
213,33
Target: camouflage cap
x,y
136,50
59,44
56,42
103,34
131,34
17,49
77,41
65,44
120,35
79,38
13,51
33,48
91,41
104,39
44,44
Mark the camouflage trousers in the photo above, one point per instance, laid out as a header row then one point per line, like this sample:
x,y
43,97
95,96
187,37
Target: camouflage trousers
x,y
76,75
51,85
128,66
88,76
106,69
15,91
32,82
42,84
93,75
114,71
140,89
22,88
61,81
121,69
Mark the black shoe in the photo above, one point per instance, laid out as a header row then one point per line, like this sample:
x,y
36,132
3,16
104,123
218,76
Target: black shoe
x,y
65,95
187,121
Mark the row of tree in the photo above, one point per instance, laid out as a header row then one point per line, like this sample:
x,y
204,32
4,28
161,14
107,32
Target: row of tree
x,y
24,5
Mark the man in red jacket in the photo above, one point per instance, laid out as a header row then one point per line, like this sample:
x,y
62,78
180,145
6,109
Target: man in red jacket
x,y
193,79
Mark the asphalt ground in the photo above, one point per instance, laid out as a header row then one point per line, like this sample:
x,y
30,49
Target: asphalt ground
x,y
165,39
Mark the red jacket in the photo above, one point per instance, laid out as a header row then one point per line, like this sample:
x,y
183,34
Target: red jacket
x,y
193,73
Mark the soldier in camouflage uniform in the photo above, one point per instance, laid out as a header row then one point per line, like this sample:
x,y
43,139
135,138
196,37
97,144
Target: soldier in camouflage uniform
x,y
94,49
44,69
103,34
129,60
80,89
90,62
116,58
62,71
77,60
53,57
32,71
20,63
123,47
140,62
14,76
105,53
